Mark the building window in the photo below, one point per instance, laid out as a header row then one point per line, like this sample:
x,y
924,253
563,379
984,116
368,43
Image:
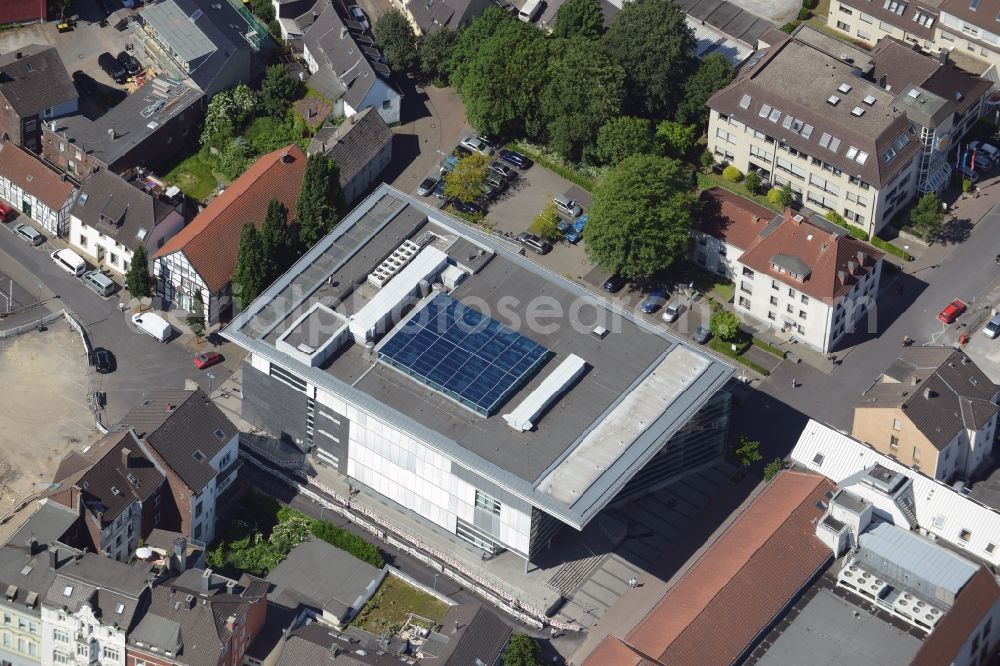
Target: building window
x,y
83,650
771,316
790,309
744,302
747,272
774,284
916,454
110,653
197,531
61,635
197,510
843,26
774,300
60,657
845,10
487,503
893,442
804,299
990,547
895,6
923,19
745,287
964,535
802,314
896,424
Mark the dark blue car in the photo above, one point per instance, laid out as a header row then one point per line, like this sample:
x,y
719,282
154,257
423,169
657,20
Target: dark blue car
x,y
654,301
515,159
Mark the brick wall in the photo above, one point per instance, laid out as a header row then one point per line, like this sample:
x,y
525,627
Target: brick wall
x,y
10,122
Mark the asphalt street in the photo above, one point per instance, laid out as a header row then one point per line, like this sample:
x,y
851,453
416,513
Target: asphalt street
x,y
142,362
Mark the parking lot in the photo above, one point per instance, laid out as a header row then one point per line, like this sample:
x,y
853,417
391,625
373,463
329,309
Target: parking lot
x,y
43,407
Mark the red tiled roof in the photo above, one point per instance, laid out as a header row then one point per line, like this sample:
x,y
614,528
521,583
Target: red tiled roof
x,y
212,239
732,218
974,603
825,254
20,11
30,174
738,586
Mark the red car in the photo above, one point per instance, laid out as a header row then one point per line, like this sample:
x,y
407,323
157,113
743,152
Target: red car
x,y
207,360
6,212
952,312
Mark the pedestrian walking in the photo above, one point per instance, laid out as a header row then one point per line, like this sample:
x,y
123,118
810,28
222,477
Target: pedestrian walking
x,y
633,583
795,384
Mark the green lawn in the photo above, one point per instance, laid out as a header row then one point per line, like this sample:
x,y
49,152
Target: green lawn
x,y
393,602
194,176
709,180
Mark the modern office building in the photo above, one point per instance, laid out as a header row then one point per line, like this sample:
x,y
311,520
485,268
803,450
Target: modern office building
x,y
446,372
849,131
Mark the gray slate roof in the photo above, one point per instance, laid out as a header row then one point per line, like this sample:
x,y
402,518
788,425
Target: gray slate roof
x,y
354,143
481,635
28,575
323,576
114,590
317,644
727,18
182,427
117,208
433,14
940,389
108,487
332,45
36,81
49,523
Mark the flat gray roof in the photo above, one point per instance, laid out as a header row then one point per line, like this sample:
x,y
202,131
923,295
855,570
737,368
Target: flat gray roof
x,y
556,466
826,628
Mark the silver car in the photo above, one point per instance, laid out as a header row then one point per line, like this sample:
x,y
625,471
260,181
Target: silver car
x,y
992,328
568,206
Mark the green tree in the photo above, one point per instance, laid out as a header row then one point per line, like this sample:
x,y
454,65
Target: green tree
x,y
321,201
732,174
465,181
584,92
248,278
706,159
226,115
276,242
522,651
714,73
724,325
138,280
278,90
397,40
640,217
781,196
499,66
676,138
655,47
623,136
435,54
546,223
772,468
752,182
928,216
234,158
579,18
196,318
747,451
289,533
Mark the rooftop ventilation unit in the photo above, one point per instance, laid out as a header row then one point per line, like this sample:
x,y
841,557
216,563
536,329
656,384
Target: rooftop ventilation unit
x,y
525,415
833,100
857,111
870,100
914,93
844,87
394,263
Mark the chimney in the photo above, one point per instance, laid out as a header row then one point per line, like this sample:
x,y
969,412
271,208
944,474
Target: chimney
x,y
125,454
111,133
842,277
189,601
179,558
942,56
286,158
53,557
19,55
230,586
915,380
343,32
206,578
928,393
852,266
32,545
231,623
862,257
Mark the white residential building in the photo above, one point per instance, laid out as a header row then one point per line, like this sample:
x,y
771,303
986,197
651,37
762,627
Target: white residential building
x,y
35,190
802,278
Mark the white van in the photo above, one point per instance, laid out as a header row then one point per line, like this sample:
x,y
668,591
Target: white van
x,y
530,10
69,261
153,325
100,283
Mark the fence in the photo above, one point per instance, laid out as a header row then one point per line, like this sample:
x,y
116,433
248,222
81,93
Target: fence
x,y
25,328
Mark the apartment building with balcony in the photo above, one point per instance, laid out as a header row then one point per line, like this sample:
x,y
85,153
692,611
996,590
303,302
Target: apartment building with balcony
x,y
969,29
822,117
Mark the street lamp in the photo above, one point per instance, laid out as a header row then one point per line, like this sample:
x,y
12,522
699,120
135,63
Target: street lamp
x,y
210,378
436,582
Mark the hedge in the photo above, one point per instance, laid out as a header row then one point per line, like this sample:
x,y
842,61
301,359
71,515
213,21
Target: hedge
x,y
348,542
891,249
769,348
725,348
567,171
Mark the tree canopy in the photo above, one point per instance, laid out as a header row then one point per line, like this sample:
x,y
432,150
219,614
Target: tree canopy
x,y
546,223
713,73
227,113
435,54
747,451
724,325
640,216
276,242
278,90
522,651
579,18
321,200
927,216
584,91
196,318
397,40
499,67
676,138
248,278
465,181
655,47
137,279
623,136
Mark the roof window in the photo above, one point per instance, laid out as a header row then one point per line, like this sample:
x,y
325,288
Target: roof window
x,y
198,455
220,433
824,140
852,152
120,608
833,100
807,130
857,111
834,144
764,110
914,93
973,5
745,102
68,591
775,114
862,157
870,100
844,87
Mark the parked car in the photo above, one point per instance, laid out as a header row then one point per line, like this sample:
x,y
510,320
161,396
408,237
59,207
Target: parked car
x,y
702,335
85,83
515,159
968,173
572,230
112,67
359,16
29,235
6,212
489,193
461,151
534,243
466,207
671,312
475,144
653,301
128,61
614,284
153,325
427,186
979,162
207,360
496,182
992,328
567,206
954,310
102,360
503,171
439,190
987,149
